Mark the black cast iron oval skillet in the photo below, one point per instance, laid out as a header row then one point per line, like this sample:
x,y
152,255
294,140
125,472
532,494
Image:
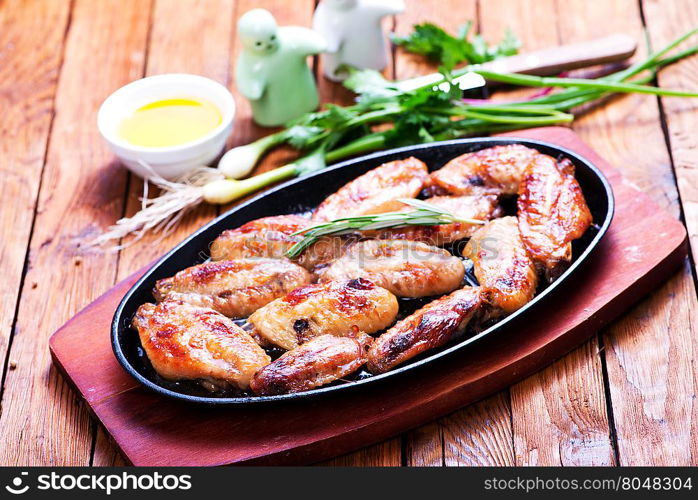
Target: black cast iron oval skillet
x,y
301,195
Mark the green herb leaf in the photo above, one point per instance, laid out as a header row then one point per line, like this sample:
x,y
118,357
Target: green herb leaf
x,y
439,46
303,136
509,46
435,44
369,82
311,162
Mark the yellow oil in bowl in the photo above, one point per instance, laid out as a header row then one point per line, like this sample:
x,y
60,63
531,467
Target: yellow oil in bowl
x,y
170,122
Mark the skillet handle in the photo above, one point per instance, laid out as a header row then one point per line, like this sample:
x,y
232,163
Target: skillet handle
x,y
546,62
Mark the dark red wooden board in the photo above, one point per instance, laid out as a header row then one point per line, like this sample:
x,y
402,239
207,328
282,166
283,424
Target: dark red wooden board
x,y
634,257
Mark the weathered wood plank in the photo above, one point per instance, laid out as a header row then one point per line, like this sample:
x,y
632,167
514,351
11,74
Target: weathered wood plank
x,y
665,21
105,453
465,436
385,454
650,354
480,434
82,190
559,414
649,351
169,52
627,130
651,378
335,92
424,446
172,49
27,90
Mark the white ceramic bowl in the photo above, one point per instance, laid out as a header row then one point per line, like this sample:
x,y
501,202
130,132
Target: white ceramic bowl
x,y
172,161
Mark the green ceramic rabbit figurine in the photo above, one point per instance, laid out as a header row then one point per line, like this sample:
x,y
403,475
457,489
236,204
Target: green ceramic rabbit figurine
x,y
272,72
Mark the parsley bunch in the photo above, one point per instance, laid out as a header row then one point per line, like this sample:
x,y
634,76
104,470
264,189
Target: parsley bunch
x,y
390,114
439,46
410,114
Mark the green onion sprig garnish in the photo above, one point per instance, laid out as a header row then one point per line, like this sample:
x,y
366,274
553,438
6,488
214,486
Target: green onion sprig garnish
x,y
425,214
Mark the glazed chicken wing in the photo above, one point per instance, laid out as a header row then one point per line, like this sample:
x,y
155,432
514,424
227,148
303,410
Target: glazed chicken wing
x,y
431,326
376,191
406,268
492,171
328,308
235,288
469,207
502,265
265,237
552,213
318,362
186,342
272,237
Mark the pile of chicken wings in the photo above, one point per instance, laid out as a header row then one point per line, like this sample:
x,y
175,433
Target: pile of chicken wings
x,y
334,309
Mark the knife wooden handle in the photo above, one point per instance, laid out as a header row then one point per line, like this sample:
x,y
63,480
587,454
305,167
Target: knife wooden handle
x,y
552,61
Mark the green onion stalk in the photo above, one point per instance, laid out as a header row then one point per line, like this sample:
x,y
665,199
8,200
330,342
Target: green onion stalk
x,y
414,112
462,119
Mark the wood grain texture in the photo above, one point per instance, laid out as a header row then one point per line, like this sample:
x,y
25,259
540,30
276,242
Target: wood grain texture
x,y
27,90
297,13
675,17
558,415
385,454
80,180
168,52
665,21
445,441
649,353
176,45
478,435
481,434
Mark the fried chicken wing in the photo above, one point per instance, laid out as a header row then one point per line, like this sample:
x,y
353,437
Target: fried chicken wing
x,y
469,207
406,268
272,237
318,362
235,288
332,308
502,265
186,342
552,213
492,171
265,237
376,191
431,326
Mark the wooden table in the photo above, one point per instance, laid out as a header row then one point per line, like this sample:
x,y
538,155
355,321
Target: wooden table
x,y
627,396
